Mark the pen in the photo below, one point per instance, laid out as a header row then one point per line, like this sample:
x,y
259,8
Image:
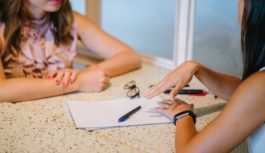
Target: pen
x,y
127,115
191,92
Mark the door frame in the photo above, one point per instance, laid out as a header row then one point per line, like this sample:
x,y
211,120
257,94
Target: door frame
x,y
184,31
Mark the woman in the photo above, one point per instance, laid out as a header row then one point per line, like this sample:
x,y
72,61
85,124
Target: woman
x,y
244,114
38,43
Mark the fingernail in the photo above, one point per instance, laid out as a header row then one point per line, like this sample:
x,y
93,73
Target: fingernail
x,y
57,82
71,80
65,84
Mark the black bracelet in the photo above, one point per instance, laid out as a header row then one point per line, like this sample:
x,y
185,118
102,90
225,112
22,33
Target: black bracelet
x,y
183,114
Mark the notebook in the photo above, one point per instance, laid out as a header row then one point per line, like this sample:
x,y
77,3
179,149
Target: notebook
x,y
93,115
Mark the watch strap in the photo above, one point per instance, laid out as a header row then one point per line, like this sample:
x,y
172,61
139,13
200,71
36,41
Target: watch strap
x,y
183,114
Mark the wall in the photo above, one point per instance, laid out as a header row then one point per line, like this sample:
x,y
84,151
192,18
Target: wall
x,y
79,6
217,35
148,27
145,25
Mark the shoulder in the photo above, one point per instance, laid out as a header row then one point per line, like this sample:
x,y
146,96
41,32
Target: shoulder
x,y
82,22
251,91
256,80
79,19
254,85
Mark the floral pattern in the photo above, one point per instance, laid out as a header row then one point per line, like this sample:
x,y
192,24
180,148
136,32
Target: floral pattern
x,y
39,54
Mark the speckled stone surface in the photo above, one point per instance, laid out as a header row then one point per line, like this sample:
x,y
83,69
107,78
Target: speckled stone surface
x,y
45,125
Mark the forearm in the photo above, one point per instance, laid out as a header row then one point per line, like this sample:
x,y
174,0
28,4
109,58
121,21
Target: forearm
x,y
121,63
21,89
223,85
185,131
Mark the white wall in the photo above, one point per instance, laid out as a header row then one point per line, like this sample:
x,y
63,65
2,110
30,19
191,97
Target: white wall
x,y
145,25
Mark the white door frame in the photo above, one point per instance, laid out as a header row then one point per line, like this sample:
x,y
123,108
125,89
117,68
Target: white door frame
x,y
184,31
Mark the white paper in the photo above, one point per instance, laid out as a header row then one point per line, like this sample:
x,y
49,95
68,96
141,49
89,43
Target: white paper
x,y
105,114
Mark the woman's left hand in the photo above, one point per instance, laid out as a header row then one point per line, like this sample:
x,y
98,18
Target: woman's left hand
x,y
63,77
170,107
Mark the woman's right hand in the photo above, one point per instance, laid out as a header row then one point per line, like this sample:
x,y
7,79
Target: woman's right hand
x,y
178,78
92,80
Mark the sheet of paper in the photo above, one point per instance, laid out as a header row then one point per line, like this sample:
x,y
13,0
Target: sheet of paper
x,y
105,114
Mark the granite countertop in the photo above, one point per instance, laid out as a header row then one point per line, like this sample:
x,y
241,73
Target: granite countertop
x,y
45,125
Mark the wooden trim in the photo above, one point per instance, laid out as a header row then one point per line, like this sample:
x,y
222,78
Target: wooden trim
x,y
93,10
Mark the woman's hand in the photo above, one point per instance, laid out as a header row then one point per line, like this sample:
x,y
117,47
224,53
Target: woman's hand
x,y
173,107
63,77
178,78
92,80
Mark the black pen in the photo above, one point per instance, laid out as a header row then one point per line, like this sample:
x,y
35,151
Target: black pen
x,y
190,91
127,115
194,92
169,90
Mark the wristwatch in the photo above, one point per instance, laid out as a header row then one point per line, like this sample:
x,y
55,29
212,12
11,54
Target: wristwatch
x,y
183,114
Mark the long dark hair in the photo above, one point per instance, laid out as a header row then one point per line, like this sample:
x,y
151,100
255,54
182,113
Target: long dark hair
x,y
253,36
13,14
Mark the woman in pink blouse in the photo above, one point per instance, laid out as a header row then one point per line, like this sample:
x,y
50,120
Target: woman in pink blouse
x,y
38,41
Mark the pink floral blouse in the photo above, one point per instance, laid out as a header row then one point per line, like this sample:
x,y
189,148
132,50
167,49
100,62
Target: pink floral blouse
x,y
39,54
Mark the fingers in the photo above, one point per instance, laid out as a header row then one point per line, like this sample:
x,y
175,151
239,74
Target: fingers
x,y
179,101
66,78
161,110
157,89
58,77
52,74
63,77
171,107
103,81
73,76
165,104
104,86
175,91
166,107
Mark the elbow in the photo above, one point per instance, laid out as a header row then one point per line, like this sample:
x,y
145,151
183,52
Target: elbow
x,y
136,60
186,149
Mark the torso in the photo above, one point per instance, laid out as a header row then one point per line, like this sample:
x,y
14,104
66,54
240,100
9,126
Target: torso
x,y
256,142
39,54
